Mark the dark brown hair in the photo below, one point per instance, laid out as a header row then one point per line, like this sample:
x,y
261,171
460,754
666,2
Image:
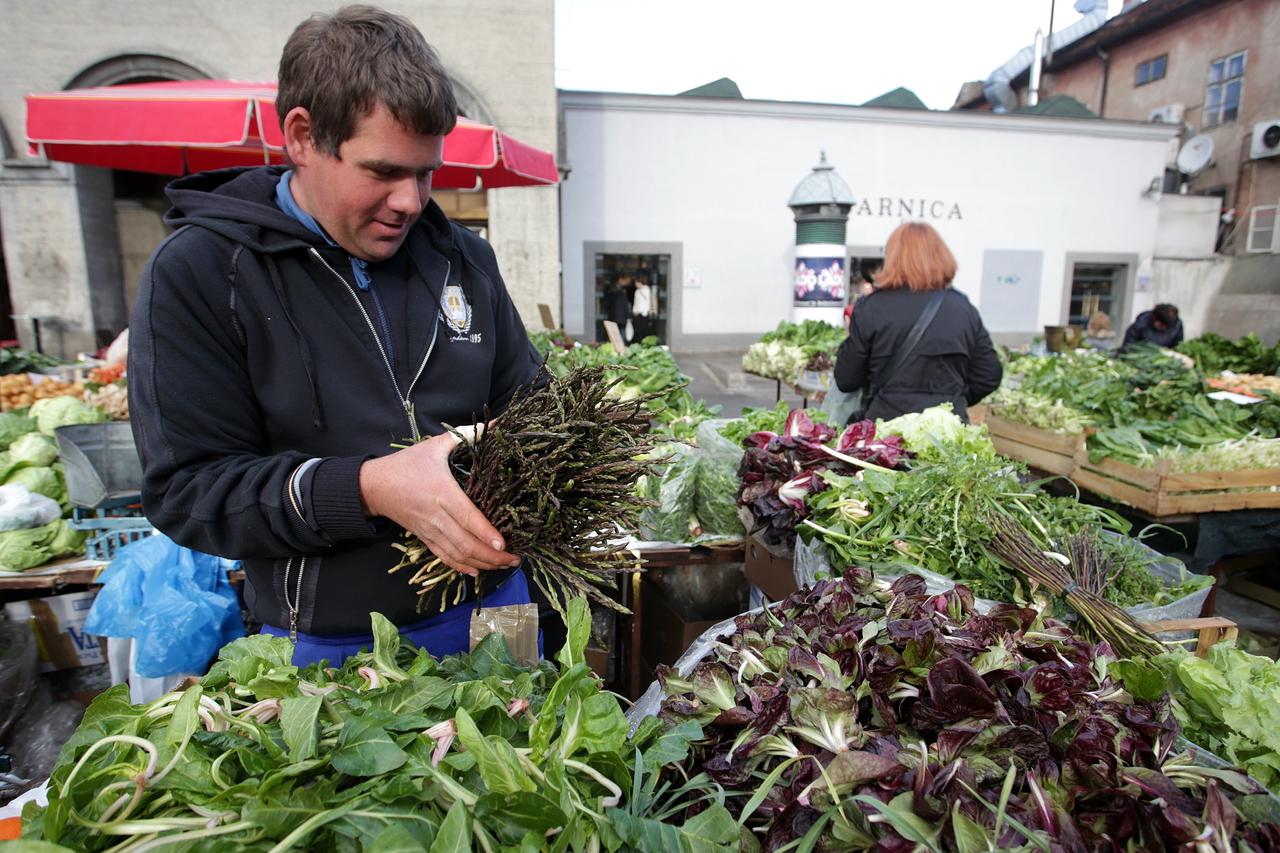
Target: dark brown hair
x,y
340,66
916,257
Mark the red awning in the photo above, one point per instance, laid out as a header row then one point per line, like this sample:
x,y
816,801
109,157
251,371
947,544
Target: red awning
x,y
194,125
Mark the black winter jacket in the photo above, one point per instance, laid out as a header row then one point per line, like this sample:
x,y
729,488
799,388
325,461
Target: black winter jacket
x,y
954,361
1143,330
252,351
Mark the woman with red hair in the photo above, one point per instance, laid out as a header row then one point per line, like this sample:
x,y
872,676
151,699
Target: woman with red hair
x,y
915,342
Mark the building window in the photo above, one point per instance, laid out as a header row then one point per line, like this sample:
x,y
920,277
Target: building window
x,y
1152,69
1222,98
1262,229
1094,288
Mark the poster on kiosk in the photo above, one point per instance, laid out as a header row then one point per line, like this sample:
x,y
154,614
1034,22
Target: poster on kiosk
x,y
820,283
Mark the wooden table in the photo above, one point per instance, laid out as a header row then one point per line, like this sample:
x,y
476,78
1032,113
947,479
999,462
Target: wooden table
x,y
73,571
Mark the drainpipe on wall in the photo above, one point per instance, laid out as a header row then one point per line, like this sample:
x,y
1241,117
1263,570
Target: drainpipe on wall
x,y
1037,61
1106,71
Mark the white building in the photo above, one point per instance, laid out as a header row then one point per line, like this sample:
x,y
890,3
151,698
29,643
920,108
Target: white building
x,y
74,239
1036,208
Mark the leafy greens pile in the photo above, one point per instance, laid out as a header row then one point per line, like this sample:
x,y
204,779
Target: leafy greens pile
x,y
779,470
1227,702
1213,354
1141,406
792,348
939,516
647,372
855,717
394,751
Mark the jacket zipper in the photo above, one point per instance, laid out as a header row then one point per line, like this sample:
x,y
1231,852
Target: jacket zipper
x,y
404,396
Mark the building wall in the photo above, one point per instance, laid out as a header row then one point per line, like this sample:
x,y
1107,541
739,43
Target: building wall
x,y
500,52
1187,226
1192,44
720,191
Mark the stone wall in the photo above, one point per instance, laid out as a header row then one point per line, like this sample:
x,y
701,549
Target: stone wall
x,y
60,238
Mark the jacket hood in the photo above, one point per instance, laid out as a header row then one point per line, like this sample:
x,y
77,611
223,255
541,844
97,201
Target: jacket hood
x,y
240,205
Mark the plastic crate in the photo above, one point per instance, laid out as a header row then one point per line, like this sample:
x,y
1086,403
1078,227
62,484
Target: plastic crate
x,y
100,461
112,534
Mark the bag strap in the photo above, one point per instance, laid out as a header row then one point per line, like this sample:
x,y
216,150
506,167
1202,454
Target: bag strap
x,y
913,339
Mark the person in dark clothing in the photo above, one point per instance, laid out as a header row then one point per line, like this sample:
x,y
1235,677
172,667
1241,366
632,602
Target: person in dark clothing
x,y
1159,326
617,302
953,362
299,322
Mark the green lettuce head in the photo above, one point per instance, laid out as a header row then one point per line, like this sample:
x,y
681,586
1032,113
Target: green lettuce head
x,y
12,426
35,449
42,480
55,412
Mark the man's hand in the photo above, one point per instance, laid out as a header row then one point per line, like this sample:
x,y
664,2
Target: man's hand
x,y
415,489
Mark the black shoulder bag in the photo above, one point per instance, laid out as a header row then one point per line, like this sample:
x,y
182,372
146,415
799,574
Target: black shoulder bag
x,y
904,352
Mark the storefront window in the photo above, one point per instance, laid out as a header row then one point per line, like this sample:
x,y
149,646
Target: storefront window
x,y
1095,287
619,295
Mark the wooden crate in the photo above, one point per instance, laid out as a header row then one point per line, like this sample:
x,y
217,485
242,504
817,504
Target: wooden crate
x,y
1039,448
1160,492
1209,630
1156,491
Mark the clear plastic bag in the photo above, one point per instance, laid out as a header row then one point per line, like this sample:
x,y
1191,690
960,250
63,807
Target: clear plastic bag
x,y
716,497
21,509
840,405
674,492
19,664
517,623
177,604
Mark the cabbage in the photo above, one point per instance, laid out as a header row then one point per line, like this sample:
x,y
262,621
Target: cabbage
x,y
66,539
55,412
25,549
42,481
35,449
12,426
936,431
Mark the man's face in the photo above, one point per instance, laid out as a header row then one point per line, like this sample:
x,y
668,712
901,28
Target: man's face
x,y
370,195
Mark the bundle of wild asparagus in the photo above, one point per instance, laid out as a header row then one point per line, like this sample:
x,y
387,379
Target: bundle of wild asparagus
x,y
1078,579
556,474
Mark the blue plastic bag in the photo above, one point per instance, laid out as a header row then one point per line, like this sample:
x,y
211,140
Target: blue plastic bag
x,y
176,604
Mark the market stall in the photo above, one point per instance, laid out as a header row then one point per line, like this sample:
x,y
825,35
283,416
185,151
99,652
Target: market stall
x,y
960,649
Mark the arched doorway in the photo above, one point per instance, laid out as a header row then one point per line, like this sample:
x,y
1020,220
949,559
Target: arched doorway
x,y
126,208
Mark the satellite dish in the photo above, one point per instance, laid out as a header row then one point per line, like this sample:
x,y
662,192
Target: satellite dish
x,y
1196,154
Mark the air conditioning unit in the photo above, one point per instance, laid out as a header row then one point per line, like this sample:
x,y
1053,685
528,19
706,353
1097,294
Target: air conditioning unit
x,y
1266,139
1168,114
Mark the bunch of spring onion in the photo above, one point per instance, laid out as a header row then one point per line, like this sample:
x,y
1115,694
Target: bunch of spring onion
x,y
555,473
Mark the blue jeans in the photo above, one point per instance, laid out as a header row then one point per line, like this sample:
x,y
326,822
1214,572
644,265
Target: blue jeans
x,y
443,634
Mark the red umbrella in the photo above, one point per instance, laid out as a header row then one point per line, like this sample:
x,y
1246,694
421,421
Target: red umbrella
x,y
193,125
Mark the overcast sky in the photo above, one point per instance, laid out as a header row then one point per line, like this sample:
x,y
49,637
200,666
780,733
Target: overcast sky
x,y
827,51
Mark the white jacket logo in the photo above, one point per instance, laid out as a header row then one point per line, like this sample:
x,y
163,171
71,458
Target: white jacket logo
x,y
456,309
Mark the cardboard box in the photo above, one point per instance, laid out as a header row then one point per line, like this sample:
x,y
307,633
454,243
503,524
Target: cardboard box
x,y
774,576
665,634
58,623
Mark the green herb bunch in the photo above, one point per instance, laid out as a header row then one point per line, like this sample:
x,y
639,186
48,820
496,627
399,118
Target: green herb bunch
x,y
556,474
395,751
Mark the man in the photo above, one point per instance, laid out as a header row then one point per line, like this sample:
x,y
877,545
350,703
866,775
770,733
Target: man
x,y
302,321
1159,326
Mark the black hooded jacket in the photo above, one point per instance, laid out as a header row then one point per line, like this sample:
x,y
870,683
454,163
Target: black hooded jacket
x,y
954,361
253,352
